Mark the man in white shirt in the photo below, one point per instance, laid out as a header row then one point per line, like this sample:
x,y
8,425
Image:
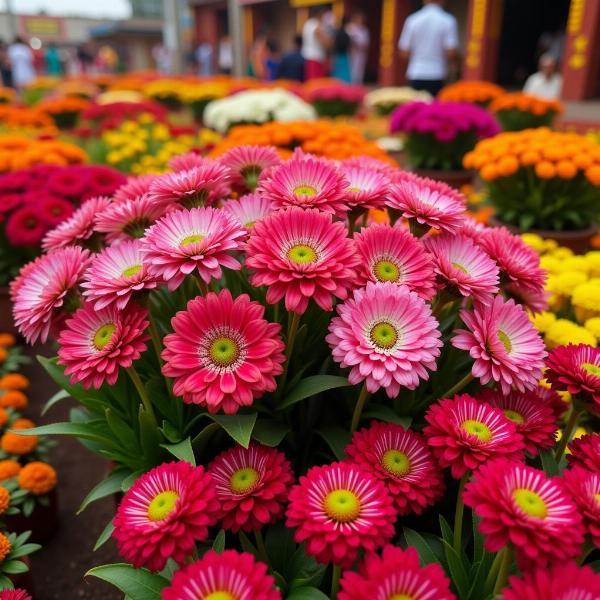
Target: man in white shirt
x,y
429,40
546,83
315,43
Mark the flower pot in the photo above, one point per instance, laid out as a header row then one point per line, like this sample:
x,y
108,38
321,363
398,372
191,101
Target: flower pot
x,y
42,522
455,179
578,240
6,317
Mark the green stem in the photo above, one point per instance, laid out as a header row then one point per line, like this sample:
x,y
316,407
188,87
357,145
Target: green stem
x,y
352,216
588,548
141,390
293,322
202,286
567,433
358,408
260,546
335,581
458,513
504,570
493,574
464,382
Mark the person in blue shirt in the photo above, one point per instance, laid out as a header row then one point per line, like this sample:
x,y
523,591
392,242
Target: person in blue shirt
x,y
292,63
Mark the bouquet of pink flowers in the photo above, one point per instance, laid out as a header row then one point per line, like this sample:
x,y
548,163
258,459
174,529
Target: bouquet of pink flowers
x,y
439,134
332,98
291,404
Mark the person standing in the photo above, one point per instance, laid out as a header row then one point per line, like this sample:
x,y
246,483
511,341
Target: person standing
x,y
204,58
21,59
547,82
225,55
292,64
341,52
315,43
429,41
359,49
54,66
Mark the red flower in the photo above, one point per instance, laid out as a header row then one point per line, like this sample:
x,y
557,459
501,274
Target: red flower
x,y
54,210
585,451
25,227
584,488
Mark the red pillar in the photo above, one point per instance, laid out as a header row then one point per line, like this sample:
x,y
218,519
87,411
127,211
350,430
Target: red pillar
x,y
207,24
483,33
393,15
581,64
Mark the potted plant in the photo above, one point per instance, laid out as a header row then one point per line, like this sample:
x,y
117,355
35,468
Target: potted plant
x,y
383,101
518,111
474,91
332,98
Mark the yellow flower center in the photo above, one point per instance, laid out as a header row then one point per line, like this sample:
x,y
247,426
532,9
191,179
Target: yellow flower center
x,y
505,340
162,505
354,189
478,429
384,335
243,480
224,351
597,496
514,416
302,254
401,597
131,271
385,270
219,596
191,239
305,190
530,503
591,368
460,267
104,335
342,506
396,462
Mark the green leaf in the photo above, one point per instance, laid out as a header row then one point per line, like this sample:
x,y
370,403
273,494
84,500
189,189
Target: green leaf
x,y
307,593
457,570
137,583
24,550
304,571
6,583
549,464
14,567
80,430
55,399
383,412
270,432
109,485
219,542
311,386
280,546
447,532
56,372
337,439
150,437
182,451
239,427
105,535
130,480
424,550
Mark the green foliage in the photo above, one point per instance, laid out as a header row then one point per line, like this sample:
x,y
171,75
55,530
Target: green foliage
x,y
425,152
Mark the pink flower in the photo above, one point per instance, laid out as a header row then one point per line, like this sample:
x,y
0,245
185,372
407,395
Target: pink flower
x,y
394,255
521,505
223,354
464,433
54,210
367,162
246,163
252,486
134,188
339,509
462,266
396,574
45,288
301,254
584,488
17,594
585,452
306,182
248,209
164,513
96,343
116,274
24,227
187,161
367,188
505,345
184,241
387,335
401,459
228,575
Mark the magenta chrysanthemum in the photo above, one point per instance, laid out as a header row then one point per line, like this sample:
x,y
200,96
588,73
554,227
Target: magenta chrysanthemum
x,y
116,274
534,421
562,582
223,354
393,254
18,594
402,460
396,574
521,505
95,344
306,182
367,188
248,209
128,219
134,188
548,397
504,343
575,369
42,290
301,254
187,161
246,163
164,513
252,486
184,241
198,186
230,575
428,204
78,228
585,452
584,487
339,509
463,266
387,335
464,433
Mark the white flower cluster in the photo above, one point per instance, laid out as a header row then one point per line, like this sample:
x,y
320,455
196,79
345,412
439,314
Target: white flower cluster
x,y
257,106
394,96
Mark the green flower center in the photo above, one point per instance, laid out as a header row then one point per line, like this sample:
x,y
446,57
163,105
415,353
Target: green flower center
x,y
460,267
224,351
530,503
514,416
243,480
384,270
342,506
104,335
302,254
478,429
305,190
396,462
384,335
219,596
131,271
162,505
505,340
591,368
191,239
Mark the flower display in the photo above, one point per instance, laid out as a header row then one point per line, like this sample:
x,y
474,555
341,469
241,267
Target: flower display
x,y
246,163
64,111
249,209
585,452
517,111
474,91
584,487
332,98
384,100
110,115
18,153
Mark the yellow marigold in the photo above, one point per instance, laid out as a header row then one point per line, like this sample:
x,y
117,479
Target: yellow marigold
x,y
13,443
593,326
22,424
564,395
586,300
564,284
575,263
534,241
14,381
550,264
542,321
5,547
593,259
8,469
561,253
563,332
14,399
37,477
4,499
7,339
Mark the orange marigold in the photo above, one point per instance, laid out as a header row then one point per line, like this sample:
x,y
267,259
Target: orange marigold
x,y
14,381
3,417
9,468
4,499
14,443
593,174
545,170
7,339
566,169
14,399
38,478
5,547
22,424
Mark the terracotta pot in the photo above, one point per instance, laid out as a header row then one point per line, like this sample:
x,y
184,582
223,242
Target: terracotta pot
x,y
579,240
42,522
24,580
6,316
455,179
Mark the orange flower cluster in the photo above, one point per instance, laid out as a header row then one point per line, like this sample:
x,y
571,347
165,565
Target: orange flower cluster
x,y
18,152
9,468
23,117
14,381
37,477
526,103
60,105
7,95
324,138
4,500
5,547
14,443
551,154
477,92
